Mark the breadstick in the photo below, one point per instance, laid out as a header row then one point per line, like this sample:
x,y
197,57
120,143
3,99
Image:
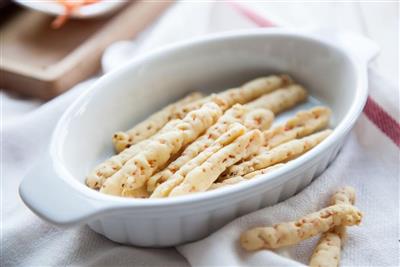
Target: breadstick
x,y
327,252
165,188
151,125
263,171
237,113
281,99
258,118
101,172
232,115
291,233
345,195
202,177
140,192
302,124
254,89
138,169
247,92
227,182
281,153
238,179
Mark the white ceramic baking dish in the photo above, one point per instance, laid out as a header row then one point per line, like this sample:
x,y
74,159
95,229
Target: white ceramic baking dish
x,y
331,65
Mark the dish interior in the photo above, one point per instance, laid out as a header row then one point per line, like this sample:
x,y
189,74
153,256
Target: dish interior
x,y
132,93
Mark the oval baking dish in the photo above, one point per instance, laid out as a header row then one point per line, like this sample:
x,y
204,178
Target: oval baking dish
x,y
331,65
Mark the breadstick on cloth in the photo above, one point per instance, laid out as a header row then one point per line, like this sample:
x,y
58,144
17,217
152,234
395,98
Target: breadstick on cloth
x,y
237,113
165,188
291,233
327,252
138,169
302,124
281,153
202,177
152,124
281,99
238,179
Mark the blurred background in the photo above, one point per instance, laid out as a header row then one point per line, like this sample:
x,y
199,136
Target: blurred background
x,y
49,46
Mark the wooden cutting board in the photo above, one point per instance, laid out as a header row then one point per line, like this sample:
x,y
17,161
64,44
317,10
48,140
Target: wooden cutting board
x,y
38,61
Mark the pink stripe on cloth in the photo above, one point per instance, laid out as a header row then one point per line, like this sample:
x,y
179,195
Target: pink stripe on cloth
x,y
375,113
255,18
382,120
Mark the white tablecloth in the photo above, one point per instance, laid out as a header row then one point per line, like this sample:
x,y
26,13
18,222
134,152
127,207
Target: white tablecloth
x,y
369,162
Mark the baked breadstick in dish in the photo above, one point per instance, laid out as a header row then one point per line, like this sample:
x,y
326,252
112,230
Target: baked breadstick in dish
x,y
140,192
284,152
165,188
291,233
135,172
236,114
238,179
327,252
202,177
255,117
246,93
101,172
152,124
258,118
281,99
302,124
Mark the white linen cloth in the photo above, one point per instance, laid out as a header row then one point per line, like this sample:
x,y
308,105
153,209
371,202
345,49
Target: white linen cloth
x,y
369,162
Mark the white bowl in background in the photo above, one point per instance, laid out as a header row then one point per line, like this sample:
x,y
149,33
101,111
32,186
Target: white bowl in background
x,y
331,65
52,7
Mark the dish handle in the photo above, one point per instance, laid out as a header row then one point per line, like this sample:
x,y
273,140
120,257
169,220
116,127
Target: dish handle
x,y
54,200
361,47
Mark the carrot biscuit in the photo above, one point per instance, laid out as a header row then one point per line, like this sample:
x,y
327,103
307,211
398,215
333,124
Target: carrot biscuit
x,y
291,233
138,169
327,252
281,153
165,188
302,124
202,177
152,124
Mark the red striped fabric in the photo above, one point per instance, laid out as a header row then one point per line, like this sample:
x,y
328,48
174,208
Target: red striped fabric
x,y
374,112
382,120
